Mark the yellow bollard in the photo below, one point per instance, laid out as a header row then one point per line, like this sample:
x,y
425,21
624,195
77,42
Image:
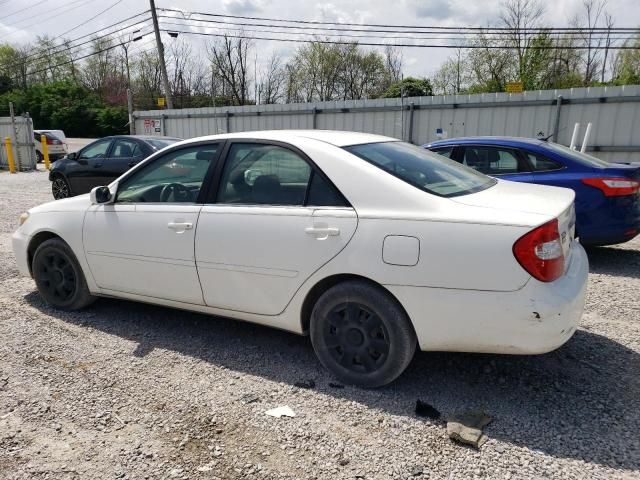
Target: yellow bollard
x,y
12,163
45,152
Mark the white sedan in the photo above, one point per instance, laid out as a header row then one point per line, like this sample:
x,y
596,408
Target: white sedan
x,y
372,246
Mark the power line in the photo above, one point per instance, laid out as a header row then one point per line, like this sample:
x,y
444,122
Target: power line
x,y
62,48
23,9
345,35
89,19
419,27
452,31
379,44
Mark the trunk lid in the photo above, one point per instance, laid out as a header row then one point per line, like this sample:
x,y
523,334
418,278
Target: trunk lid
x,y
550,202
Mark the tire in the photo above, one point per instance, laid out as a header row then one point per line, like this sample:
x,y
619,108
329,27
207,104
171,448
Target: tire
x,y
39,157
59,277
361,334
60,187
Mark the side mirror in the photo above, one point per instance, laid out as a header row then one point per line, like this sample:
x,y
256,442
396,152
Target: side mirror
x,y
72,155
100,195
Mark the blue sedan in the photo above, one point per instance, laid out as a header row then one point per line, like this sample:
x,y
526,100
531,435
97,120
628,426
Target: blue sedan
x,y
607,194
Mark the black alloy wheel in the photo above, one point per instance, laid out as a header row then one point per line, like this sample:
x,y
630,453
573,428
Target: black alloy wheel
x,y
60,188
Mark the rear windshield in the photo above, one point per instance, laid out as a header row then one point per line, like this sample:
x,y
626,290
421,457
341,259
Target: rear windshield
x,y
161,143
423,169
579,157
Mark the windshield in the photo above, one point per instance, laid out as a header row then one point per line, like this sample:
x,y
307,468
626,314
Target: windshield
x,y
425,170
160,144
579,157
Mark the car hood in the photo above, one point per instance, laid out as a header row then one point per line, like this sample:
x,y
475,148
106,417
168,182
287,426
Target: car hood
x,y
521,197
73,204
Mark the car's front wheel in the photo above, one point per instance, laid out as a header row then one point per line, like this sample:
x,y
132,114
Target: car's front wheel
x,y
60,188
59,277
361,334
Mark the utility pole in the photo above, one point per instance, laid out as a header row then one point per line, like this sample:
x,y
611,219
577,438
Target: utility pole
x,y
160,47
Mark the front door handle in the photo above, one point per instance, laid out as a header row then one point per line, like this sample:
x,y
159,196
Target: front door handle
x,y
323,231
180,227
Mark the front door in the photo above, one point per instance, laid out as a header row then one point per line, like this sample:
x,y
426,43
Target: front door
x,y
88,166
143,243
274,221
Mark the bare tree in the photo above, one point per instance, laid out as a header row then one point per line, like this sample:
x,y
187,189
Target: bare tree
x,y
592,42
608,21
522,17
272,80
229,61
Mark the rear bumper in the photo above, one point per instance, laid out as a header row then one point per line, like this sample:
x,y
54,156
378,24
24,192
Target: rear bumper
x,y
538,318
617,220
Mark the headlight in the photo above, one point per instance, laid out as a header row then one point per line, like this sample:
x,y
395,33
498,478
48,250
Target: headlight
x,y
24,217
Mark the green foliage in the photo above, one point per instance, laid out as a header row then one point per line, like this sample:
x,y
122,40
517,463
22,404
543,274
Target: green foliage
x,y
111,121
67,106
409,87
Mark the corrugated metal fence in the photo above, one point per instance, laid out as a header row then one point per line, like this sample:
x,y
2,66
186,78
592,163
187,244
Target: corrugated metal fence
x,y
21,134
613,111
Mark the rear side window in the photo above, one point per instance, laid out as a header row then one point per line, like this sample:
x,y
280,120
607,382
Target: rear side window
x,y
493,160
541,163
445,151
423,169
322,193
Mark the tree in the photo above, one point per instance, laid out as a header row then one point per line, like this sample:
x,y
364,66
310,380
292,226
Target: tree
x,y
520,17
229,59
272,80
410,87
627,64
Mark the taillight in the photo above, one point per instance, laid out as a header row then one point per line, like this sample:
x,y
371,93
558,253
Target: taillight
x,y
51,141
540,252
613,187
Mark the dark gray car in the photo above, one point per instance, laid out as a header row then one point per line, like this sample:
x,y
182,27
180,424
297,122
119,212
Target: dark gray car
x,y
101,162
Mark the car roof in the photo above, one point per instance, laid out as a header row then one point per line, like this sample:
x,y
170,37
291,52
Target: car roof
x,y
514,141
337,138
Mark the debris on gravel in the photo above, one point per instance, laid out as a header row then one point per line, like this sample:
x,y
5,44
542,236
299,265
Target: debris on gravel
x,y
423,409
123,390
466,427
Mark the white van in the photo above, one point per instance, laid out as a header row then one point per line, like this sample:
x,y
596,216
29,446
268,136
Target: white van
x,y
56,144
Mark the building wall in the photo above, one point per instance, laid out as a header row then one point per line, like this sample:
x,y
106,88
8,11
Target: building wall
x,y
613,111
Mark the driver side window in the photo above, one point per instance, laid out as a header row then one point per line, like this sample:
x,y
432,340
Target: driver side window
x,y
173,178
97,150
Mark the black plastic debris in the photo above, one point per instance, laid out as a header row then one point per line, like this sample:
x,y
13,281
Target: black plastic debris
x,y
423,409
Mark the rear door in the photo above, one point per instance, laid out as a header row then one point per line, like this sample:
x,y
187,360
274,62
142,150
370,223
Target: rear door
x,y
125,153
496,161
271,222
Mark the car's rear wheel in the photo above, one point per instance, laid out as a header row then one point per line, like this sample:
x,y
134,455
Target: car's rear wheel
x,y
39,157
59,277
60,188
361,334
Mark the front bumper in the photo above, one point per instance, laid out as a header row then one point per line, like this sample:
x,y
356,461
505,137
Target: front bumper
x,y
20,244
538,318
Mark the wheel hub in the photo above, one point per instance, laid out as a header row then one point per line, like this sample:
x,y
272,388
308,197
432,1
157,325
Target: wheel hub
x,y
356,338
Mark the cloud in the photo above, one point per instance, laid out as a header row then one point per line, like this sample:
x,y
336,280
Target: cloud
x,y
431,9
242,7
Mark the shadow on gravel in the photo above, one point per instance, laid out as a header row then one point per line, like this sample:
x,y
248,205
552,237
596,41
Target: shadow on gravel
x,y
581,401
614,261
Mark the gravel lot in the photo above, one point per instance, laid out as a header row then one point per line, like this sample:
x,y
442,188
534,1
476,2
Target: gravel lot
x,y
125,390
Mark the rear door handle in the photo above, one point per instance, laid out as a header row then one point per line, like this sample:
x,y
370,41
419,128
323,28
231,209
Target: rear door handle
x,y
180,227
323,231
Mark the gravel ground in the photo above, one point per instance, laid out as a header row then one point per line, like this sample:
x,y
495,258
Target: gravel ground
x,y
124,390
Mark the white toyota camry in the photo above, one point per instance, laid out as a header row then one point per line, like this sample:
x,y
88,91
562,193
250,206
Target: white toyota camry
x,y
372,246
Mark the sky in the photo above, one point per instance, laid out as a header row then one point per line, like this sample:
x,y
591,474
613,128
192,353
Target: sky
x,y
21,21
